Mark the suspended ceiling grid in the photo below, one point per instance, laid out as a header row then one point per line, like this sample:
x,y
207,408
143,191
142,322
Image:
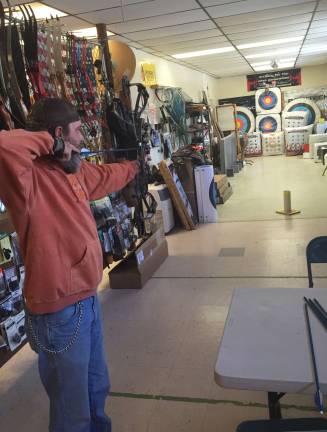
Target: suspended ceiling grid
x,y
168,27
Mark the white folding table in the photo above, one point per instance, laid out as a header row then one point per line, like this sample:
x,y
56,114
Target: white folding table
x,y
265,344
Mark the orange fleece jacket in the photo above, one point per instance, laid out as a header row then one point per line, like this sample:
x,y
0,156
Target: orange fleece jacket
x,y
51,214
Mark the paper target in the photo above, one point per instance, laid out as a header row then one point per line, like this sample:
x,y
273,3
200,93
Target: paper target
x,y
267,102
305,104
268,123
244,120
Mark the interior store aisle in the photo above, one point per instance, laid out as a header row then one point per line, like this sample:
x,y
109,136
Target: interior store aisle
x,y
258,189
162,340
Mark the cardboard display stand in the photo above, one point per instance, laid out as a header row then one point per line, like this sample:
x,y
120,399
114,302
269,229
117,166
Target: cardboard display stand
x,y
134,271
178,195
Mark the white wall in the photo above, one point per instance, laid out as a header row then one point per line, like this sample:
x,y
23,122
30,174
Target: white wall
x,y
312,76
175,75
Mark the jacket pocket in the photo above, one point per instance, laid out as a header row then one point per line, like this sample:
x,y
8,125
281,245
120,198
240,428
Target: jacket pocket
x,y
87,273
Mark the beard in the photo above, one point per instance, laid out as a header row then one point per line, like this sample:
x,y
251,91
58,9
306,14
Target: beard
x,y
72,166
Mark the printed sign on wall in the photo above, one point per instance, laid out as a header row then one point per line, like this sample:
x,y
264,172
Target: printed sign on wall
x,y
149,74
284,78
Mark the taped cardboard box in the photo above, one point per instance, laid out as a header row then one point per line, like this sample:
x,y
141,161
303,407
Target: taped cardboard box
x,y
138,268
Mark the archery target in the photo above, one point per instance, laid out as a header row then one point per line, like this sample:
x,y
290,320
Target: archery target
x,y
253,147
295,138
244,120
305,104
292,119
268,123
267,102
273,144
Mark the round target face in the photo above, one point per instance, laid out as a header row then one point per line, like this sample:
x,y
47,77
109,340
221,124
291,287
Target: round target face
x,y
305,104
244,120
243,123
268,124
267,101
308,108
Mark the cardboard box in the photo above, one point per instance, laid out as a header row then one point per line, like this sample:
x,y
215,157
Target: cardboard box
x,y
135,270
221,180
185,173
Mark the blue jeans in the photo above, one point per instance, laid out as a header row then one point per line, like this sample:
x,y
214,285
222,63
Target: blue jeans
x,y
72,366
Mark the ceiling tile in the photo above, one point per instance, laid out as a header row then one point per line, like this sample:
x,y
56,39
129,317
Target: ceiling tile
x,y
248,6
269,23
157,7
319,24
240,39
320,15
72,23
195,45
149,23
322,5
264,15
105,16
272,33
199,35
76,7
171,30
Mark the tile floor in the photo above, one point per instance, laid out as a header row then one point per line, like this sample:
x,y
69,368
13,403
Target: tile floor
x,y
162,340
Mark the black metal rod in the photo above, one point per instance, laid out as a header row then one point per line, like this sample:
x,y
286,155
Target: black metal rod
x,y
318,398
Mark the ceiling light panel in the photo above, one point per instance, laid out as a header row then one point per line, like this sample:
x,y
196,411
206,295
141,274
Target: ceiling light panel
x,y
88,33
264,15
157,7
41,11
80,6
150,23
171,30
248,6
203,52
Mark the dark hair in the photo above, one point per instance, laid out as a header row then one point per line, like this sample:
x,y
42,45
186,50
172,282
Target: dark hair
x,y
48,113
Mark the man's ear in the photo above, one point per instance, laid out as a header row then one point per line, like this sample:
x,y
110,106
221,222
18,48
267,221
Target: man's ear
x,y
58,132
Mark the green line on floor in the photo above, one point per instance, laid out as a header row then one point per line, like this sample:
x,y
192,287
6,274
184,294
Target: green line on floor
x,y
206,401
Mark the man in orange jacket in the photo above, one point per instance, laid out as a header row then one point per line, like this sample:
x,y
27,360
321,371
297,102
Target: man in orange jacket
x,y
47,188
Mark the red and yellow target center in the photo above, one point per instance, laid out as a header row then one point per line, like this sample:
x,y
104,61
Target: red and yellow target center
x,y
239,123
268,99
268,125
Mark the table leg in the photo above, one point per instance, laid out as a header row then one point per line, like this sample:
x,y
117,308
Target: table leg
x,y
275,411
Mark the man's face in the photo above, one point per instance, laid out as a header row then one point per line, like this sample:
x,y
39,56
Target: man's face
x,y
71,160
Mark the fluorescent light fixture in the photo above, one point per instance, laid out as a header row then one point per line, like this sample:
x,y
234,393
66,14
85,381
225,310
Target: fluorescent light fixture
x,y
203,53
88,33
270,42
268,62
263,68
40,10
274,53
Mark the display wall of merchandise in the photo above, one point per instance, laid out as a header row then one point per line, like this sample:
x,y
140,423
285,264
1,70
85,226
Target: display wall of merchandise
x,y
12,315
